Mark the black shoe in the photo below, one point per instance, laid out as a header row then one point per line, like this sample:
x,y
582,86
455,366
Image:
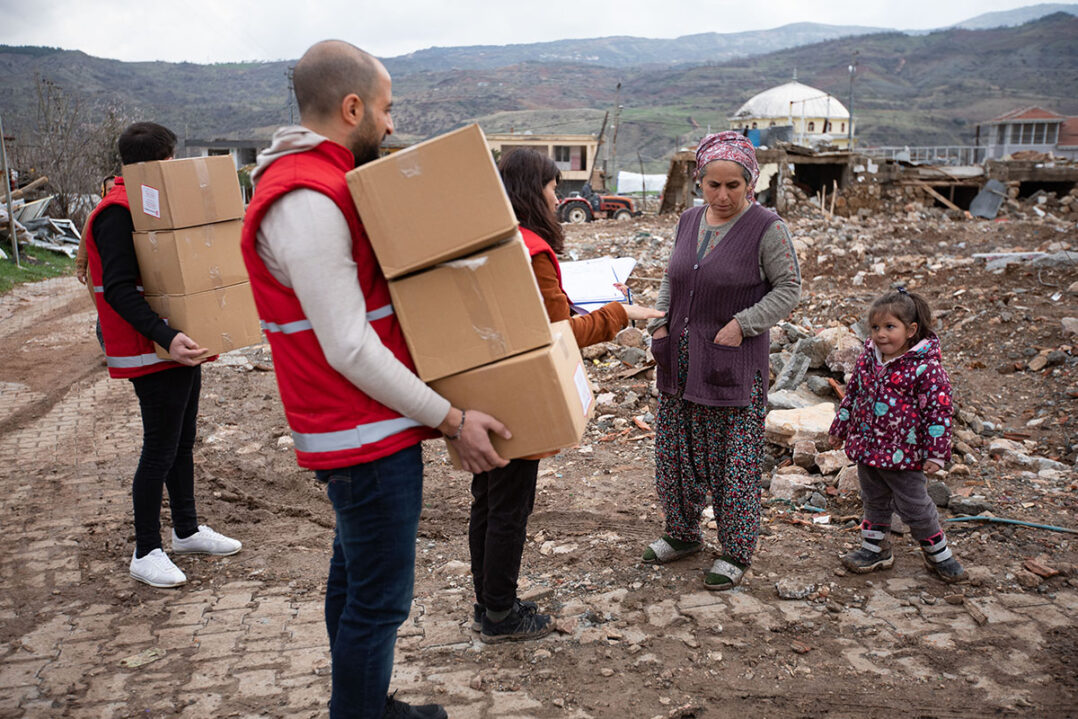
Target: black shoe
x,y
396,709
478,610
867,558
521,624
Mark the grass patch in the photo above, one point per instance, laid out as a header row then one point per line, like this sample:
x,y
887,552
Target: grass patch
x,y
37,264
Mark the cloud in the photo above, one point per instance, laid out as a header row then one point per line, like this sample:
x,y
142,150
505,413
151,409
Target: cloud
x,y
205,31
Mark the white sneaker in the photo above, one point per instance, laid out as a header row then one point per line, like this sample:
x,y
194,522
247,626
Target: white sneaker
x,y
205,541
157,570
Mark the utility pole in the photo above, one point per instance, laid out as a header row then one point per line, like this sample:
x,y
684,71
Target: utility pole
x,y
291,94
614,140
602,135
7,190
853,70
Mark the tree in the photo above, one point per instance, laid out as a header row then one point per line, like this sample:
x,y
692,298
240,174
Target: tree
x,y
73,143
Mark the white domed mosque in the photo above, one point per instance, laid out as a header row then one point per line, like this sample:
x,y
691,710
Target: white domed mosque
x,y
817,117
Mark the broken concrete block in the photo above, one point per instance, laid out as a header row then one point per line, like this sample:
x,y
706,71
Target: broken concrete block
x,y
790,399
805,453
848,481
844,357
789,485
793,373
831,461
787,426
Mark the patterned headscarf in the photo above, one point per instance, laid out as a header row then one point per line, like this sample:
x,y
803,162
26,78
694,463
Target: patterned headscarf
x,y
732,146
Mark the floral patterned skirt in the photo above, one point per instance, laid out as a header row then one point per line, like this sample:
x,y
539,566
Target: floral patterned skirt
x,y
701,449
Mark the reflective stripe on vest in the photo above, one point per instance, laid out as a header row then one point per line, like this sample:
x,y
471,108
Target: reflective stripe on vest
x,y
134,361
289,328
146,360
99,288
354,438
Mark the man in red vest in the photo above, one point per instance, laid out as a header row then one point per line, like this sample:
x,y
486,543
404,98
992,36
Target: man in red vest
x,y
167,390
357,411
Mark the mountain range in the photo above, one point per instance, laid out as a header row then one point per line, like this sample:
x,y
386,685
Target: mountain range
x,y
908,88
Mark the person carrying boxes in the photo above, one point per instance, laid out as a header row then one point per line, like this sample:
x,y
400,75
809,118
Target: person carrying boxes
x,y
503,497
357,410
167,389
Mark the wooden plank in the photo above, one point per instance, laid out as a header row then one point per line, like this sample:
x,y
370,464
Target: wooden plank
x,y
928,188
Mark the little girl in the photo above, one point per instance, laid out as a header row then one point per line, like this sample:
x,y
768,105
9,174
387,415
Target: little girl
x,y
896,423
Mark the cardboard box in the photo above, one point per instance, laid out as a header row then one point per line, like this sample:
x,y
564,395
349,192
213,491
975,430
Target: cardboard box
x,y
542,396
471,311
220,320
192,259
432,202
170,194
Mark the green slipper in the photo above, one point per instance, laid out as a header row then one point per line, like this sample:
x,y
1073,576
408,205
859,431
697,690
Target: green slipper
x,y
725,573
667,549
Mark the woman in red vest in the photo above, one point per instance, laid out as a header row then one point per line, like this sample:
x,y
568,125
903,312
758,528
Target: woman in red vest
x,y
503,498
167,389
732,275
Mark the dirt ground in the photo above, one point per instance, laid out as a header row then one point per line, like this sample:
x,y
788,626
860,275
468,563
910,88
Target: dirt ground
x,y
633,640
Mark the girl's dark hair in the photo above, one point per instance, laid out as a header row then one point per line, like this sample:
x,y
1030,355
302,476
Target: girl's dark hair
x,y
908,307
525,173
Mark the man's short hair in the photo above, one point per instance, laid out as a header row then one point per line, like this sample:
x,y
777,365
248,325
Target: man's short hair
x,y
329,71
146,142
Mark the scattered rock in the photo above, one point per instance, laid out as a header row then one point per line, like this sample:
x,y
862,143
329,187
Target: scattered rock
x,y
631,337
805,454
971,505
939,492
831,461
790,485
848,481
786,427
792,588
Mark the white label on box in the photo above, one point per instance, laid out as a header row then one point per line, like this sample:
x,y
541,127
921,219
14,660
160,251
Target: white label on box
x,y
582,388
151,202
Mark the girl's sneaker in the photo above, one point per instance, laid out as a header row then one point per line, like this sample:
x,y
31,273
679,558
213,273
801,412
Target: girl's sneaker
x,y
940,561
874,552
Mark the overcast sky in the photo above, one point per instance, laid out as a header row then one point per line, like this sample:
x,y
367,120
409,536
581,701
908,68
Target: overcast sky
x,y
235,30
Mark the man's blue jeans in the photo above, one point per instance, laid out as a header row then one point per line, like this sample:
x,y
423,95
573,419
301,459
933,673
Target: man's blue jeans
x,y
371,574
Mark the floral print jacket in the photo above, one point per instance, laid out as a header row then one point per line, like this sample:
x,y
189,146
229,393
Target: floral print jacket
x,y
897,415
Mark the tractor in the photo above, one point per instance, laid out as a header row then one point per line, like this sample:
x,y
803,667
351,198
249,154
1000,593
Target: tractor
x,y
586,205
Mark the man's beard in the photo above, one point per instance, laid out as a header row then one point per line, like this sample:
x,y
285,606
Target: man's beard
x,y
364,145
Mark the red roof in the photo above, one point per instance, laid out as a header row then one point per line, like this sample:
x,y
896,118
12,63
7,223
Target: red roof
x,y
1028,113
1068,132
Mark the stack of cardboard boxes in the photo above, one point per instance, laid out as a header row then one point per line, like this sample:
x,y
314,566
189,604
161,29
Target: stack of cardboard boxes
x,y
188,216
463,289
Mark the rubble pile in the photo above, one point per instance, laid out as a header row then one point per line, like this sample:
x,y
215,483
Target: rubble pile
x,y
846,261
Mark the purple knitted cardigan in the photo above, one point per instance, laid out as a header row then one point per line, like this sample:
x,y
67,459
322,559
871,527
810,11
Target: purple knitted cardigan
x,y
704,296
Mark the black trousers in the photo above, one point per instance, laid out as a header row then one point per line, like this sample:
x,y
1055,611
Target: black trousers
x,y
169,404
502,499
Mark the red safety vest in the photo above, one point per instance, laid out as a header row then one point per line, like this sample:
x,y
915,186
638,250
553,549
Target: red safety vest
x,y
128,352
334,424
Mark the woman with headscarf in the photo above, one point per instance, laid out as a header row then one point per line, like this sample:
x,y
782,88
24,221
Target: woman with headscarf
x,y
732,275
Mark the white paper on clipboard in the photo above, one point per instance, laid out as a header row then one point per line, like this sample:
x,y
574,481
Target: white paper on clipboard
x,y
590,283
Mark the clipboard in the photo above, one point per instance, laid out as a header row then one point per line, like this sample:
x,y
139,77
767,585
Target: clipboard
x,y
590,283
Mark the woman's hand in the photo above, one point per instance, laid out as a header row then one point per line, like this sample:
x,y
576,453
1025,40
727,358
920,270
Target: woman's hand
x,y
730,335
660,333
638,312
835,442
930,467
